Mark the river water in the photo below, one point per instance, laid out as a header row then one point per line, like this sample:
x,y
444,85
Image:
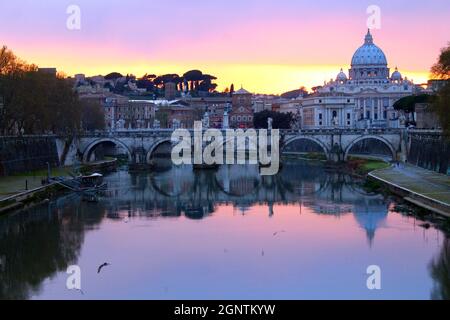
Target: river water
x,y
230,234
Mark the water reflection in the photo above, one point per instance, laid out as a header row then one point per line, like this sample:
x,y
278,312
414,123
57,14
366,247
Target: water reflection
x,y
39,245
182,191
440,271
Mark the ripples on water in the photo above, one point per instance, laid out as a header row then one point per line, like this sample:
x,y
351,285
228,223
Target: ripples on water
x,y
230,234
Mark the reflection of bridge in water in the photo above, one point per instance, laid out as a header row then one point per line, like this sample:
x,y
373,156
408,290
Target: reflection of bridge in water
x,y
182,191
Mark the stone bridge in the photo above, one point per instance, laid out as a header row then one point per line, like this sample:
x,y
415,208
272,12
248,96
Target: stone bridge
x,y
337,144
140,146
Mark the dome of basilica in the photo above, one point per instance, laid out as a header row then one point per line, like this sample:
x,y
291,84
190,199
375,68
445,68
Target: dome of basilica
x,y
369,54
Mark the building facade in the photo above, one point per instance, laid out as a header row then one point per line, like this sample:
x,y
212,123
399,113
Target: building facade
x,y
215,106
362,99
241,115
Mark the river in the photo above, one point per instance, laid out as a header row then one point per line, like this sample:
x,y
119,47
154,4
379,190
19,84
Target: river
x,y
231,234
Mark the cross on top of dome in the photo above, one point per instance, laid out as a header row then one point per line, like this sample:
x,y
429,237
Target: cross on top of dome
x,y
368,39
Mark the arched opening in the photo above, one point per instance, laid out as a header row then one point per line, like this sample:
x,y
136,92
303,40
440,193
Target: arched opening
x,y
105,149
306,148
160,155
371,147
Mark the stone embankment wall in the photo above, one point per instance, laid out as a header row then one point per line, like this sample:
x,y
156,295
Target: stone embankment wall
x,y
429,150
22,154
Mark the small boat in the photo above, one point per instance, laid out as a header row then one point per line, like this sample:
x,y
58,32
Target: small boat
x,y
89,183
92,182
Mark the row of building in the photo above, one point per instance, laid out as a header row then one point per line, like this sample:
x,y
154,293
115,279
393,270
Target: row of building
x,y
362,98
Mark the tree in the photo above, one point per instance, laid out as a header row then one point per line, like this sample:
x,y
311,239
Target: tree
x,y
206,84
35,102
113,76
294,93
93,115
280,120
408,104
193,77
441,105
161,81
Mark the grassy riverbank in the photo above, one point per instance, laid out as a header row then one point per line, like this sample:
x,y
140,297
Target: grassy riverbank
x,y
363,167
17,183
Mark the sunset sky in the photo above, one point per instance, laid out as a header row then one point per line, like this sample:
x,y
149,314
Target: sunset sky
x,y
267,46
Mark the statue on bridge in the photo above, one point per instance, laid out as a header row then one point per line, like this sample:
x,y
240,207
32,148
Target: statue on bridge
x,y
120,124
205,120
335,121
176,124
226,117
269,123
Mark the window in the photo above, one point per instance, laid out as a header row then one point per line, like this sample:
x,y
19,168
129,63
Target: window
x,y
320,116
348,116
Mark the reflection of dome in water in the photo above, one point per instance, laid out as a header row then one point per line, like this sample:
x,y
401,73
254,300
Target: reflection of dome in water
x,y
370,217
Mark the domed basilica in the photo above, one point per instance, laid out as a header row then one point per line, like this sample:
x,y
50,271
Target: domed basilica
x,y
363,98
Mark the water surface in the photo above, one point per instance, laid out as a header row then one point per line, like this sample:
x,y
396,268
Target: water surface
x,y
230,234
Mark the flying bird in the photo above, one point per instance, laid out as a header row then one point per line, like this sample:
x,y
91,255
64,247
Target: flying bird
x,y
102,266
278,232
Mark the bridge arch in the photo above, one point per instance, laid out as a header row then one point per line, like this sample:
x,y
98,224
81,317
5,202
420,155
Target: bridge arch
x,y
315,140
154,146
88,150
370,137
